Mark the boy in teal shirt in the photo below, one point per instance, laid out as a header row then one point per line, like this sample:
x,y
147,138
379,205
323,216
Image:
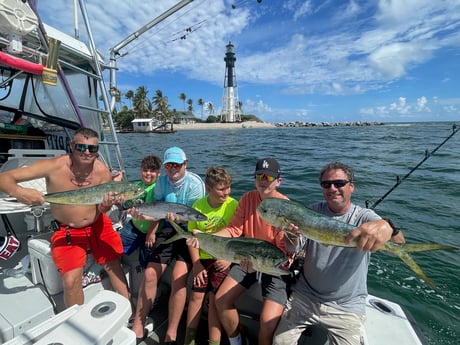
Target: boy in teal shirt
x,y
208,273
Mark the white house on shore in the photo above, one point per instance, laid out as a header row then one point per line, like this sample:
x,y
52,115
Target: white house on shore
x,y
184,118
145,125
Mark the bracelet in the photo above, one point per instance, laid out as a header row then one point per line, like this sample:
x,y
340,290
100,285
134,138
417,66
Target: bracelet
x,y
396,228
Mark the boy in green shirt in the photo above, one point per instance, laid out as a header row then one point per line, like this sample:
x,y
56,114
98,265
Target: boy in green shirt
x,y
207,272
133,232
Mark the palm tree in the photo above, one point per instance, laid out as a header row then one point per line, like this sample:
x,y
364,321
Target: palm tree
x,y
240,110
183,97
201,103
209,108
141,103
161,105
129,96
190,104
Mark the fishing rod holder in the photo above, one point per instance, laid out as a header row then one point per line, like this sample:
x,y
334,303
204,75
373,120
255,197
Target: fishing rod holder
x,y
38,212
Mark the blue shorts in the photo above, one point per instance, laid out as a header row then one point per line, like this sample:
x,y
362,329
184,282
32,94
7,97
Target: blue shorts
x,y
132,238
273,288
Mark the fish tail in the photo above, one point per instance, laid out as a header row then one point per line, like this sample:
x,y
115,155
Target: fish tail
x,y
403,254
181,233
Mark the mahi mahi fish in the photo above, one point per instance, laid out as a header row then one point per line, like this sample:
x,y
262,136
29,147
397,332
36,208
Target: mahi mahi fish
x,y
95,195
159,210
328,231
264,256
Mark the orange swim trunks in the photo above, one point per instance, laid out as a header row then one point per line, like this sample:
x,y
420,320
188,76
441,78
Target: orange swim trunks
x,y
69,246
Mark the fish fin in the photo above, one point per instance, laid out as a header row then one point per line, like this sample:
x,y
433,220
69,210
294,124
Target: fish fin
x,y
404,255
176,237
177,227
244,255
181,233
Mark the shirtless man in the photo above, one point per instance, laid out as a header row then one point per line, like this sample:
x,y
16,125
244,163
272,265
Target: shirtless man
x,y
80,227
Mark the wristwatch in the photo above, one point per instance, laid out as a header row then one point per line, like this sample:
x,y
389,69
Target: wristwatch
x,y
396,228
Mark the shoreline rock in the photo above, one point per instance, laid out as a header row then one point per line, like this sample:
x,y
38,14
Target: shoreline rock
x,y
328,124
229,125
254,124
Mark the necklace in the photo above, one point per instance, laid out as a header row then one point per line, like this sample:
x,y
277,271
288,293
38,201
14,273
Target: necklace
x,y
80,179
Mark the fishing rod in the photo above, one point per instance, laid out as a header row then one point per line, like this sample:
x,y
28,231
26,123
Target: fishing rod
x,y
399,180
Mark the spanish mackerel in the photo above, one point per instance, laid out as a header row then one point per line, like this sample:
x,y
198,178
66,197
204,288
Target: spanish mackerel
x,y
94,195
264,256
159,210
328,231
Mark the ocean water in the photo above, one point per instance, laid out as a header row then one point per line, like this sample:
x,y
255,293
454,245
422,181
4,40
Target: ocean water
x,y
426,204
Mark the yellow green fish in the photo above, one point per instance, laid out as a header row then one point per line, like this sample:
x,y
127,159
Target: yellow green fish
x,y
95,195
328,231
264,256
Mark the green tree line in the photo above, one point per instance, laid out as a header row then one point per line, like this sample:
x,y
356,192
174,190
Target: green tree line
x,y
141,106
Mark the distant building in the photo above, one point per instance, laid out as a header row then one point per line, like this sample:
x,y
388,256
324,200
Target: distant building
x,y
145,125
184,118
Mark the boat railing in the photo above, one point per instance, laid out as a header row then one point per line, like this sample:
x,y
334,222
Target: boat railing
x,y
107,108
74,58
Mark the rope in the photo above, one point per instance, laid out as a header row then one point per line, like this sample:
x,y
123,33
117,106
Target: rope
x,y
399,180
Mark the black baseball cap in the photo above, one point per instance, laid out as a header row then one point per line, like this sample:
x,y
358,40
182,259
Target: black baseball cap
x,y
268,166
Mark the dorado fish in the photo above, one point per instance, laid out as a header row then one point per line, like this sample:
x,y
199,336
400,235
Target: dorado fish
x,y
264,256
159,210
95,195
328,231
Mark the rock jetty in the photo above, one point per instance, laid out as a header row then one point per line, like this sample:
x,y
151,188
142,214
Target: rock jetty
x,y
327,124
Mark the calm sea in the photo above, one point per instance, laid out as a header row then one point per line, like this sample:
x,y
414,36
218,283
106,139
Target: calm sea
x,y
426,204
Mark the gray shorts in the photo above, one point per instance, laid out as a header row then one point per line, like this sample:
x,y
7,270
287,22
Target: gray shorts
x,y
273,288
343,328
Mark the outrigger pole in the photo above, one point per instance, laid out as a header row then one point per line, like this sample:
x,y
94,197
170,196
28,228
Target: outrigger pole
x,y
116,49
399,180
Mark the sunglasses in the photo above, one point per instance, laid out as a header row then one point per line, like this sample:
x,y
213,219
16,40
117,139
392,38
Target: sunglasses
x,y
336,183
265,177
84,147
168,166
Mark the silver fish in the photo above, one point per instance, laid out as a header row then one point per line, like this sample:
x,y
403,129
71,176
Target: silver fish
x,y
95,195
159,210
328,231
264,256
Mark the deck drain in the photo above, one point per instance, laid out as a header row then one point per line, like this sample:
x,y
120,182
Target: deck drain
x,y
381,306
103,309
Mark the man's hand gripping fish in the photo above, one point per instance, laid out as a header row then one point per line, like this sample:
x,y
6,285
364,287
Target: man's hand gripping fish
x,y
328,231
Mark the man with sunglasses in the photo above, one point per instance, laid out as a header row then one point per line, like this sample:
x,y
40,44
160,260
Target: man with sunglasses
x,y
77,227
332,287
181,186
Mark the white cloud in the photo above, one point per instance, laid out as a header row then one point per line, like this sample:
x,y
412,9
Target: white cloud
x,y
297,46
422,105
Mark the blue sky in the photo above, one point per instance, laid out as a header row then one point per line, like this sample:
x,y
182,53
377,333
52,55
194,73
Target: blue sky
x,y
314,61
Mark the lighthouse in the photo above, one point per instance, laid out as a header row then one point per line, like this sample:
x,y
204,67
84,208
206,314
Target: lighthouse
x,y
231,111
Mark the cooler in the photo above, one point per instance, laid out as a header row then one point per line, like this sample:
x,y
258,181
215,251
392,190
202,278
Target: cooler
x,y
44,271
